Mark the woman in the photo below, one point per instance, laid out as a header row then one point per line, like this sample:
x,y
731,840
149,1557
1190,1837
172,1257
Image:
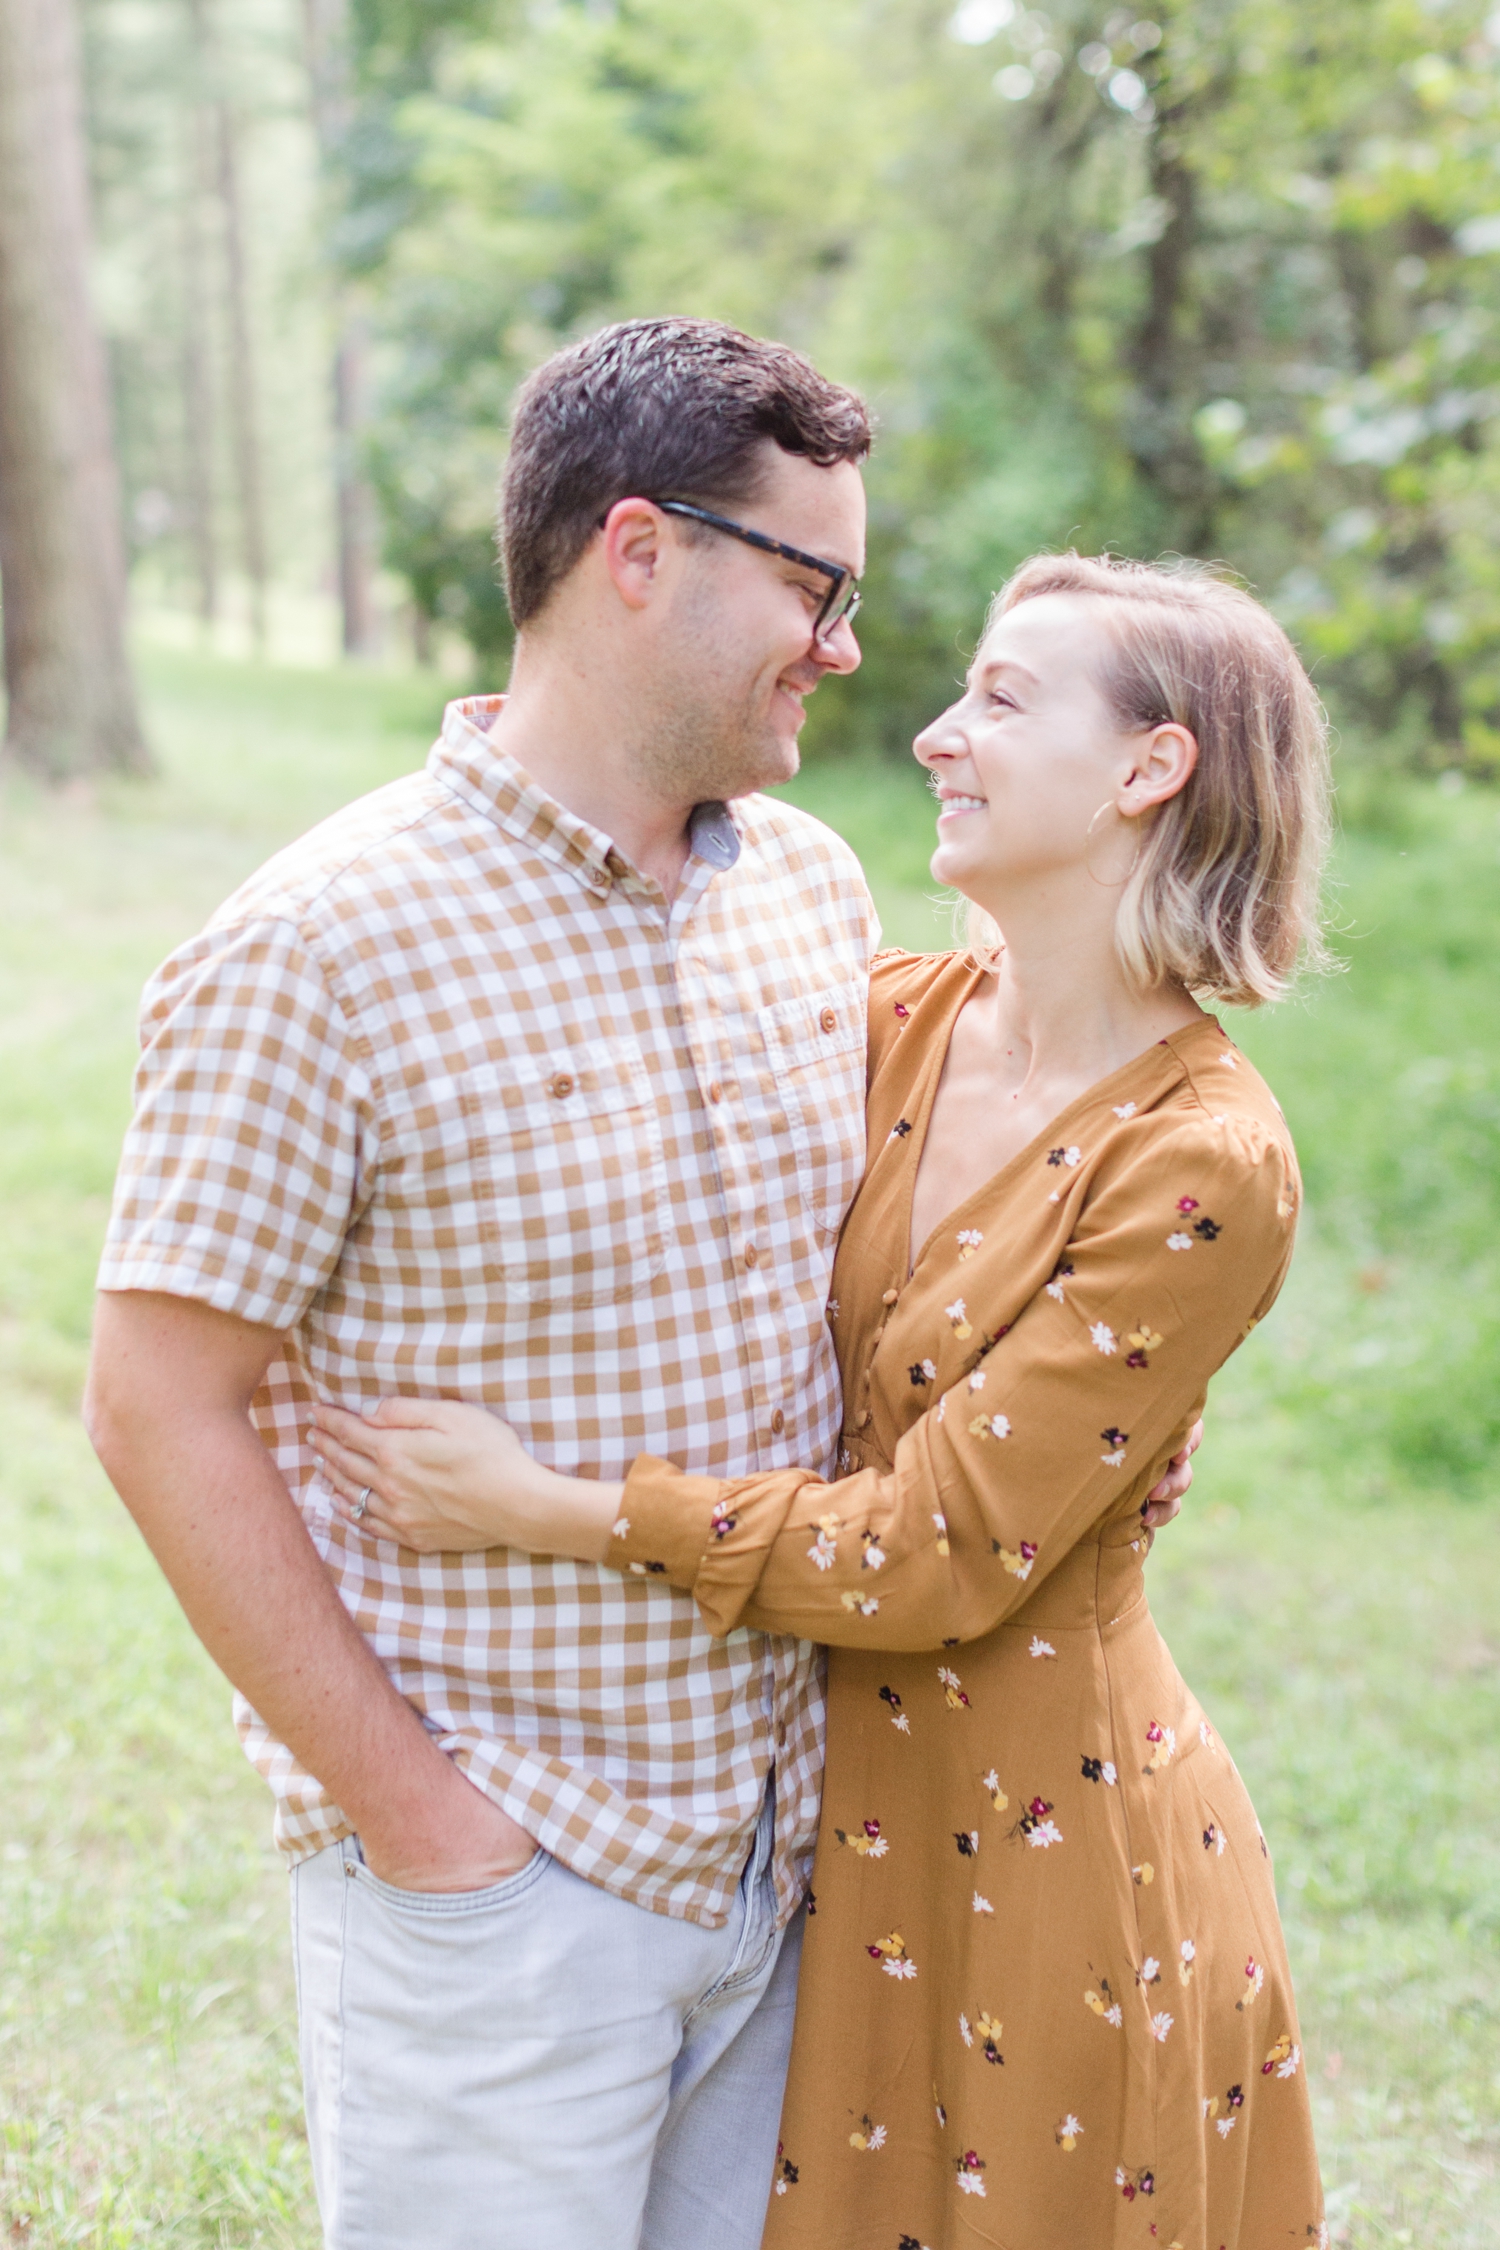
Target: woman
x,y
1044,1999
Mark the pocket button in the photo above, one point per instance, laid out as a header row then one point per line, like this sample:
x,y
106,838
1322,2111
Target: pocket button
x,y
561,1085
828,1020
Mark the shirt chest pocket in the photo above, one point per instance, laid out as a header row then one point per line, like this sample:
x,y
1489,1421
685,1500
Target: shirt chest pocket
x,y
538,1177
815,1050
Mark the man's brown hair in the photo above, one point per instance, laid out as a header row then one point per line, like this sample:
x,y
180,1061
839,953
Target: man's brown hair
x,y
663,409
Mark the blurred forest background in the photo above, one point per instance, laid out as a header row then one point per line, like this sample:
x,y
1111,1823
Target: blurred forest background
x,y
1223,278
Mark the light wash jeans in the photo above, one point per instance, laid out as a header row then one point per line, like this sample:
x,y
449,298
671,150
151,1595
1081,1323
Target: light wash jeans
x,y
539,2065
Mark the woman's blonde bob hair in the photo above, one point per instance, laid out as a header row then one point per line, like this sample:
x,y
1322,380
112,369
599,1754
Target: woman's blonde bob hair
x,y
1223,898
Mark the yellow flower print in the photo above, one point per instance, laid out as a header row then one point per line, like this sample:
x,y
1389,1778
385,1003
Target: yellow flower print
x,y
866,2135
869,1843
1255,1978
892,1955
1144,1875
1017,1560
1139,1344
968,1241
825,1547
990,1784
989,2036
990,1425
953,1689
1163,1742
1102,2001
957,1313
1066,2133
1285,2058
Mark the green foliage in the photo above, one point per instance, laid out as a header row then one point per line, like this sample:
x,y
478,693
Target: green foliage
x,y
1223,282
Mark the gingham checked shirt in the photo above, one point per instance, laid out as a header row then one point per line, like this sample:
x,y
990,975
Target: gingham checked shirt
x,y
452,1097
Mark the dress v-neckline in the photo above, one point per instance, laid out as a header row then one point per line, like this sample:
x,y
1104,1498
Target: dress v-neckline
x,y
921,1123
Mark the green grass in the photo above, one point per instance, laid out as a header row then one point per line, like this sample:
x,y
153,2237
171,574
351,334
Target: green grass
x,y
1333,1591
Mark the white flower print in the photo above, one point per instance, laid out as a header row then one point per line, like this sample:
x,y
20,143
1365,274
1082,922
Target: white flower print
x,y
899,1968
1055,1289
1189,1953
990,1425
873,1557
1179,1242
825,1547
982,1905
964,2033
1160,2026
1255,1978
1149,1971
1045,1832
990,1784
968,1241
1072,1156
929,1369
953,1689
958,1314
1206,1735
1224,2126
867,1604
1067,2133
1229,1062
977,1379
1102,1338
867,2136
621,1530
940,1524
1039,1647
1125,1109
877,2137
942,1406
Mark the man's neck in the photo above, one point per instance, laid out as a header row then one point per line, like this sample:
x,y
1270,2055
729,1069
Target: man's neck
x,y
552,727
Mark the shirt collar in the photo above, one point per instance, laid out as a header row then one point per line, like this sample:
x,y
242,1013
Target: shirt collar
x,y
466,761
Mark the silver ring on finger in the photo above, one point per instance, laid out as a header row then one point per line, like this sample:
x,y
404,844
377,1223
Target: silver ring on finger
x,y
362,1503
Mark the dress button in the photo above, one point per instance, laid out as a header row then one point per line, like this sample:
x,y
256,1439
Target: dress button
x,y
752,1255
778,1423
716,1092
561,1085
828,1020
890,1296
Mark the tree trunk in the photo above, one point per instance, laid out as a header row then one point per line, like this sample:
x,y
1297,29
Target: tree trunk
x,y
72,705
326,24
243,401
197,354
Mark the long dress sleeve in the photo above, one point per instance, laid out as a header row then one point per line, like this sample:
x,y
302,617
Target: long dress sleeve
x,y
1179,1247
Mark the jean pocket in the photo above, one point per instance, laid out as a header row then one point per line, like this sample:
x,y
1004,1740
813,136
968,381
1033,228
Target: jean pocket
x,y
447,1905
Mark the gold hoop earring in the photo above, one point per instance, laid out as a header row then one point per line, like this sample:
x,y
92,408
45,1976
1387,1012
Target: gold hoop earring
x,y
1118,883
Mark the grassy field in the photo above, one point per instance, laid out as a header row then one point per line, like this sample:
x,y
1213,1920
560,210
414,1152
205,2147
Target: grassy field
x,y
1333,1592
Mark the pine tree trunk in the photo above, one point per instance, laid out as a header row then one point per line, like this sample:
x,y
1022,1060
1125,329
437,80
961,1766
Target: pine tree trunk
x,y
71,706
243,399
326,26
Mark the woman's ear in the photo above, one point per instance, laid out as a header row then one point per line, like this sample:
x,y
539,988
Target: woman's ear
x,y
1163,765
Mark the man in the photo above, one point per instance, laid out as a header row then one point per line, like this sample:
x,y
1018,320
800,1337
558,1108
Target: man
x,y
535,1079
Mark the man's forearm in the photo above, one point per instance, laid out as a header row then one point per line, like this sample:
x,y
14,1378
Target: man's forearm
x,y
217,1515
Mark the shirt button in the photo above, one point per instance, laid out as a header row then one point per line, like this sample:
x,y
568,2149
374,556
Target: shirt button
x,y
561,1085
601,882
716,1092
890,1296
752,1255
828,1020
778,1423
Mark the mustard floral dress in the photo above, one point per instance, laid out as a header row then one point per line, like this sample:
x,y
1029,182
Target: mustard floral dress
x,y
1045,2000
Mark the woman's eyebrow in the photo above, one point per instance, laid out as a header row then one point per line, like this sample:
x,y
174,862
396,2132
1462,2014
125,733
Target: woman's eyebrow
x,y
994,665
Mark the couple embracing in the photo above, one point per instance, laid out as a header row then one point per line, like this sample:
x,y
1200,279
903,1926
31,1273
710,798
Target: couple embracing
x,y
563,1280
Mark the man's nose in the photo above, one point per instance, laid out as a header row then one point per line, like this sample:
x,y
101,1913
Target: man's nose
x,y
841,652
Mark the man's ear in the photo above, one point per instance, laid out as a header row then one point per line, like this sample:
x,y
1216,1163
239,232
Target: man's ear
x,y
635,540
1162,765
